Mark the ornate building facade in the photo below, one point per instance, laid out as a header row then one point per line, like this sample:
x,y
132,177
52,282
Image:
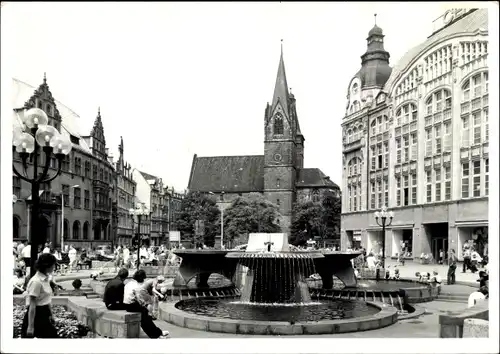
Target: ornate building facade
x,y
279,174
75,186
125,199
415,139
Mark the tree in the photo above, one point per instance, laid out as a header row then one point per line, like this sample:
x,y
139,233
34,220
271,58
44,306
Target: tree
x,y
195,207
316,219
306,221
248,215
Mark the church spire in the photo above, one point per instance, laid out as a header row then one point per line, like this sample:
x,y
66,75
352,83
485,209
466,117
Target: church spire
x,y
281,86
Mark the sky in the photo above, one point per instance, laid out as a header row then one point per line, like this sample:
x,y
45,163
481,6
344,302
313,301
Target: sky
x,y
175,79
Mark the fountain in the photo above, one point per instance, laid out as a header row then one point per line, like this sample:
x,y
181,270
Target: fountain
x,y
274,297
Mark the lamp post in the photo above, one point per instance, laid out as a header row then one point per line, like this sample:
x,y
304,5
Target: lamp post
x,y
35,135
62,215
221,220
139,211
381,219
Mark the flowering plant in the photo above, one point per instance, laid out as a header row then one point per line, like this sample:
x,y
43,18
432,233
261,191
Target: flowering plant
x,y
66,323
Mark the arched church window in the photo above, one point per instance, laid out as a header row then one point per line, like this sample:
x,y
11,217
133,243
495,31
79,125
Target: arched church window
x,y
315,195
355,89
278,124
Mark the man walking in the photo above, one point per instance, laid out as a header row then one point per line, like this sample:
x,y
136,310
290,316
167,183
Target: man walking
x,y
467,263
452,262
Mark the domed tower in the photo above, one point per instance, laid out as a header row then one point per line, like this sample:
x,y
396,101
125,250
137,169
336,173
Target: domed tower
x,y
375,69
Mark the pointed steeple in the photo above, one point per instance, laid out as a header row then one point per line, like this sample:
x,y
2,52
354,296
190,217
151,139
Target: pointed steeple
x,y
281,86
44,77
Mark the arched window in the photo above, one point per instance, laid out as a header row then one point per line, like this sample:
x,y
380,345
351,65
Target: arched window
x,y
66,229
315,196
86,230
76,230
16,227
278,124
355,88
428,105
406,114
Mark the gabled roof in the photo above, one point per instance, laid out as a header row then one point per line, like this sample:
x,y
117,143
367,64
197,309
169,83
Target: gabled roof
x,y
148,176
313,177
469,24
22,92
231,174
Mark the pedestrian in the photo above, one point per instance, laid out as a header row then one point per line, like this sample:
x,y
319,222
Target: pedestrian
x,y
38,321
466,264
475,260
478,295
441,256
72,258
452,266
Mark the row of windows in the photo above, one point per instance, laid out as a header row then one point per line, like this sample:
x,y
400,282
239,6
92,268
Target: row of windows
x,y
354,194
75,235
471,177
470,51
379,156
440,141
379,193
434,183
406,194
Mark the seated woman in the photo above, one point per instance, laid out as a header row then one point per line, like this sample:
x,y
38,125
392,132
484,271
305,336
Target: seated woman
x,y
135,301
19,282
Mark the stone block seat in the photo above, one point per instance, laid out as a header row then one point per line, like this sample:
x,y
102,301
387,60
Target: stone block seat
x,y
452,324
104,322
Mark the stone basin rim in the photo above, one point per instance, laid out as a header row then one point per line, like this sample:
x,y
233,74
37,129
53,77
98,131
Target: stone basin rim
x,y
385,317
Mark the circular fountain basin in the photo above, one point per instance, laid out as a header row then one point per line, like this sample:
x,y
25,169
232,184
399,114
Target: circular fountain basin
x,y
327,317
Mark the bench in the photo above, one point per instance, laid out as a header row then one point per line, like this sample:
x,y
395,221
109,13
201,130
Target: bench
x,y
452,324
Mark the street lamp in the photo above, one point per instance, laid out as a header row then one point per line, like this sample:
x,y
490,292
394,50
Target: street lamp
x,y
34,134
62,215
381,219
139,211
221,220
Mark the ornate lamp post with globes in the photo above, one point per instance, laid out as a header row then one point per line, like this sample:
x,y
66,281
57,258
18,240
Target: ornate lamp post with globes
x,y
381,219
36,134
139,211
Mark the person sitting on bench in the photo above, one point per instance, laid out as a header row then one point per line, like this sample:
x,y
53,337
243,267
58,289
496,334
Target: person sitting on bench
x,y
113,292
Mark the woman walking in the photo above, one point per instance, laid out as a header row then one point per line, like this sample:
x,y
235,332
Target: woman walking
x,y
38,320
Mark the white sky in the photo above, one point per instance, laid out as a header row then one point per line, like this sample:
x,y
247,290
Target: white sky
x,y
176,79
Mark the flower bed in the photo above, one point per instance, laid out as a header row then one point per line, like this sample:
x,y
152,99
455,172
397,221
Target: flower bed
x,y
66,323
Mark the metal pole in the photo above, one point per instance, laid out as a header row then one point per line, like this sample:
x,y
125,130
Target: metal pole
x,y
138,240
62,221
383,244
222,227
35,197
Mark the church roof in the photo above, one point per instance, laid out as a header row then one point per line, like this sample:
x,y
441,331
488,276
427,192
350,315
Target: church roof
x,y
468,24
231,174
313,177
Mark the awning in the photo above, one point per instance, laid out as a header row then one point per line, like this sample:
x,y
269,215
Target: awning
x,y
401,226
477,223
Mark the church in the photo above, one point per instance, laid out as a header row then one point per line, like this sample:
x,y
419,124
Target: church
x,y
279,174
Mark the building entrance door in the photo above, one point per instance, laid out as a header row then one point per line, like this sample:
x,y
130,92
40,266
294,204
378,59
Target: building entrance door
x,y
439,244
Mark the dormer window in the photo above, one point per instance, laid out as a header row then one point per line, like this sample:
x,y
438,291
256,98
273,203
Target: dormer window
x,y
354,89
49,109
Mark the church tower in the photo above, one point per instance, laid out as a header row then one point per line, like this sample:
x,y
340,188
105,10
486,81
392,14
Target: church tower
x,y
281,156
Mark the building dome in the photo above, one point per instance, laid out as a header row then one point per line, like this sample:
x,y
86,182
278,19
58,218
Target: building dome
x,y
374,73
376,30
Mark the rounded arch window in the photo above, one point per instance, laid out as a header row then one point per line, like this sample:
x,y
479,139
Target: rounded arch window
x,y
16,227
66,228
76,230
86,230
355,88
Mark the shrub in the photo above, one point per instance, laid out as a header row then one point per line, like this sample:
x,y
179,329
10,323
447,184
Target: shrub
x,y
66,323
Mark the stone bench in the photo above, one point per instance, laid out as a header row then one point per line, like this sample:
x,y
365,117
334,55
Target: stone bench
x,y
93,313
452,324
154,271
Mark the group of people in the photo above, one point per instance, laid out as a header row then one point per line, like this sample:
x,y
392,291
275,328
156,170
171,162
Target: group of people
x,y
125,257
137,295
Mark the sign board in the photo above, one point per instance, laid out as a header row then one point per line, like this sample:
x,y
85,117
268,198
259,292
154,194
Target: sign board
x,y
174,236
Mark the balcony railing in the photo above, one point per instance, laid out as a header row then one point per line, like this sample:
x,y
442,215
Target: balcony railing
x,y
353,145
